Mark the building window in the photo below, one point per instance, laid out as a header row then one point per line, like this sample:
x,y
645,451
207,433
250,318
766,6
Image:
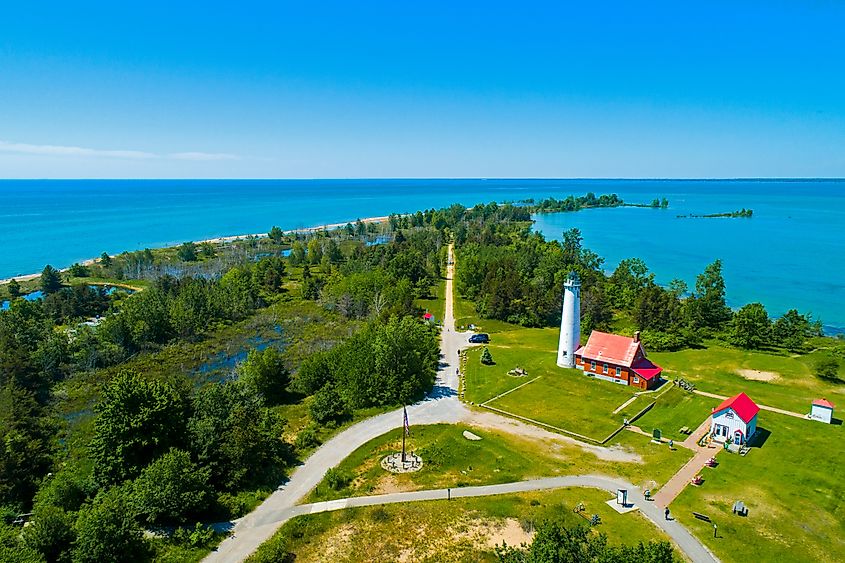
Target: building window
x,y
593,365
618,372
604,368
636,379
729,414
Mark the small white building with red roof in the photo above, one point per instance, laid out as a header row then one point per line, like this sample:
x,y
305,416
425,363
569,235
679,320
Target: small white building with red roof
x,y
735,420
620,359
822,410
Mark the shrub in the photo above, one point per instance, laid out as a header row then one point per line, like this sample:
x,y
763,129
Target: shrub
x,y
106,530
50,533
486,357
658,341
827,367
328,406
196,537
337,479
77,270
379,514
307,438
170,489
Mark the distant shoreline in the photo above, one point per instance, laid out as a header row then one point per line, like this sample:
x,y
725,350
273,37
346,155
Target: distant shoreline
x,y
217,240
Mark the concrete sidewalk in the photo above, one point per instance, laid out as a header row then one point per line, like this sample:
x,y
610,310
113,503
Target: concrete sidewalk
x,y
685,542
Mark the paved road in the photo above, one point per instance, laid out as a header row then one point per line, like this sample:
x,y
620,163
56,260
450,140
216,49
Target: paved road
x,y
441,406
688,544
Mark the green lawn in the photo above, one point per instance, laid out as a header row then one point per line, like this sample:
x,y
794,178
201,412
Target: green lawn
x,y
464,530
714,369
465,315
675,409
436,304
793,487
533,349
572,401
450,460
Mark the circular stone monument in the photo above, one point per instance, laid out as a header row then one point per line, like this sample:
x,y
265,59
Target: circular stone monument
x,y
394,463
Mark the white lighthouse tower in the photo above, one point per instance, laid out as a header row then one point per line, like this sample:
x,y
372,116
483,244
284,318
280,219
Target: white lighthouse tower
x,y
570,322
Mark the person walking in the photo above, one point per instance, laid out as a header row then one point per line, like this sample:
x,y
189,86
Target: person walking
x,y
666,513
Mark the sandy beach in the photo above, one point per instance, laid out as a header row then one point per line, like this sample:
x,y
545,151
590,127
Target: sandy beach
x,y
221,240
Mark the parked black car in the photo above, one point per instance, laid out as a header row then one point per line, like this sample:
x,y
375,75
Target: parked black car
x,y
480,338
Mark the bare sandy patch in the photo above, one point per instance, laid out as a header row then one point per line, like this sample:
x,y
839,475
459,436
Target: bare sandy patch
x,y
338,544
510,532
517,427
757,375
388,484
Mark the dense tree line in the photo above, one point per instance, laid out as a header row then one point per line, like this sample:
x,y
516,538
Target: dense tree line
x,y
388,363
518,276
575,203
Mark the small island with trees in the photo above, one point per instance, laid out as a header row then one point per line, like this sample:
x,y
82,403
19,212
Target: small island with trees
x,y
740,214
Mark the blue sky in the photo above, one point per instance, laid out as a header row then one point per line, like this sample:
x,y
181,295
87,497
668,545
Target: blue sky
x,y
422,89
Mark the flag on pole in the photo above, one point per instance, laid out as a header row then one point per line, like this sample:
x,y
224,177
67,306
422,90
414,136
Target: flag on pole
x,y
407,426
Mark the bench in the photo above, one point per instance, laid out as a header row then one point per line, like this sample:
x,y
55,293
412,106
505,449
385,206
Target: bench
x,y
701,516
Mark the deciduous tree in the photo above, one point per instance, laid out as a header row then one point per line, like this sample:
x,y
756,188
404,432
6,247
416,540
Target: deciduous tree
x,y
136,421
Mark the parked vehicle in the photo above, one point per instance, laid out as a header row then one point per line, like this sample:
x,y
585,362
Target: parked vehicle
x,y
480,338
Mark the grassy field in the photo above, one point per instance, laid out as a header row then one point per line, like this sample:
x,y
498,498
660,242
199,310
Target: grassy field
x,y
572,401
532,349
465,315
791,384
450,460
793,487
464,530
675,409
436,305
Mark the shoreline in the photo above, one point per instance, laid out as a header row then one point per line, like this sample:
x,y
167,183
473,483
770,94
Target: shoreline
x,y
216,240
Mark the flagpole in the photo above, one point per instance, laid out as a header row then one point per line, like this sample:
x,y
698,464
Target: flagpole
x,y
404,430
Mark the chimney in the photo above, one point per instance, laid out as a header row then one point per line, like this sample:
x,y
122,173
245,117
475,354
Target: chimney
x,y
637,336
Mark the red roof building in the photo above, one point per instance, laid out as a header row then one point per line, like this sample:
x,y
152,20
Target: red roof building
x,y
742,405
620,359
734,420
822,410
823,403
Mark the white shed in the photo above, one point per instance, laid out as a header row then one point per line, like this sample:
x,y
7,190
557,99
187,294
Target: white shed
x,y
735,420
822,410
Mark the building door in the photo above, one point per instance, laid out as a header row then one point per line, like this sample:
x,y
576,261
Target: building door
x,y
738,437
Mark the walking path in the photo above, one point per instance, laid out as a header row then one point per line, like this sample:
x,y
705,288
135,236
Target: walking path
x,y
762,407
440,406
692,468
684,540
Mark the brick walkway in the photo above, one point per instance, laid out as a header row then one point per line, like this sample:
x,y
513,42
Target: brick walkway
x,y
693,467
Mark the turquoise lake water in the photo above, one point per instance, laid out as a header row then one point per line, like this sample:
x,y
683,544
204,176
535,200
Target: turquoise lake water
x,y
790,254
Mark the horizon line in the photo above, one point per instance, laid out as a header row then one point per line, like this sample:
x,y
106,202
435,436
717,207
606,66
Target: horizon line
x,y
423,178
